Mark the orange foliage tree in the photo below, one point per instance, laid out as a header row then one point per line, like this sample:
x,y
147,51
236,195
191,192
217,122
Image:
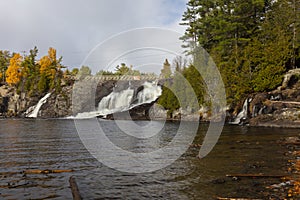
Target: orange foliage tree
x,y
48,63
50,68
14,70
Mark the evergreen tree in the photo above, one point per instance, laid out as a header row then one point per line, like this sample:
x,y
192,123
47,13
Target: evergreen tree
x,y
252,42
43,84
4,63
166,70
84,71
31,72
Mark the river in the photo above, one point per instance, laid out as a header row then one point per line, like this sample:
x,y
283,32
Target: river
x,y
55,144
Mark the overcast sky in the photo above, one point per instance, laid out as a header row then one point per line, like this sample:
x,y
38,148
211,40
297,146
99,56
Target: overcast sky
x,y
75,27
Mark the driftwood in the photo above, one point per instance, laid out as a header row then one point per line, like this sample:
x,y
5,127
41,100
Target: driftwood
x,y
47,171
290,143
74,189
256,175
286,102
10,186
221,198
37,171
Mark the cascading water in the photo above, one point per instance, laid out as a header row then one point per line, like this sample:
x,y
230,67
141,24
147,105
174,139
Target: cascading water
x,y
116,101
149,93
122,100
37,107
243,114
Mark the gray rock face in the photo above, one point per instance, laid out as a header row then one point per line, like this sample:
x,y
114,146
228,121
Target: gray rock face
x,y
58,105
12,103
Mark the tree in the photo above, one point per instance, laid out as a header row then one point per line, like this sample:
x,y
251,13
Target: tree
x,y
125,70
51,67
122,70
84,71
104,72
4,62
43,83
190,19
252,42
168,99
30,70
180,63
75,71
14,71
166,70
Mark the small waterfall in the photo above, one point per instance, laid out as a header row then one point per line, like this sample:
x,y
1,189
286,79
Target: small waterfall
x,y
122,100
242,115
34,113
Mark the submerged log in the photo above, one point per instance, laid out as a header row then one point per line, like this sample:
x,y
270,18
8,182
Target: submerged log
x,y
255,175
74,189
47,171
221,198
37,171
287,102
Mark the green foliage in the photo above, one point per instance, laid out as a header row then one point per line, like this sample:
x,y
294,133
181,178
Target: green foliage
x,y
31,71
124,70
185,90
4,62
43,84
252,42
84,71
104,72
168,99
75,71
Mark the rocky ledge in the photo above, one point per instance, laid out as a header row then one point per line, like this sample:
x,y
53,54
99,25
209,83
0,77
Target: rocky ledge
x,y
278,108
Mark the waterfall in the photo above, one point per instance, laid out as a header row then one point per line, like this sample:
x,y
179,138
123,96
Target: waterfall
x,y
122,100
116,101
242,115
34,113
149,93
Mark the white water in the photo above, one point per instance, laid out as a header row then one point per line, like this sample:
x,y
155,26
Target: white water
x,y
122,101
149,93
242,114
38,106
116,101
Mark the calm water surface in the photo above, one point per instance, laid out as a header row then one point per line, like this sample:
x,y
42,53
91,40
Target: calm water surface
x,y
55,144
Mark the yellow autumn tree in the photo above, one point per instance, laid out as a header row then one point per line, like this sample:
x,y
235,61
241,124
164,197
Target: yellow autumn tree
x,y
48,63
14,70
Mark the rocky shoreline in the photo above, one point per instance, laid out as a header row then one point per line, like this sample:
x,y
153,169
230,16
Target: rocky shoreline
x,y
279,108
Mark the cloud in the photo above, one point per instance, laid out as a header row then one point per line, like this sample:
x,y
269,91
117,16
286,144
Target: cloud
x,y
75,27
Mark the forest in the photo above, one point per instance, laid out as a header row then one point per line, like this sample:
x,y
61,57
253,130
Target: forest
x,y
253,43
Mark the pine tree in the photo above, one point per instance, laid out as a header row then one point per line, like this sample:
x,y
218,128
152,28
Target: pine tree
x,y
4,63
31,72
166,70
43,84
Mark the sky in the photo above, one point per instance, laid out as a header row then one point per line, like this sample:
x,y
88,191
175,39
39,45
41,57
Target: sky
x,y
77,28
